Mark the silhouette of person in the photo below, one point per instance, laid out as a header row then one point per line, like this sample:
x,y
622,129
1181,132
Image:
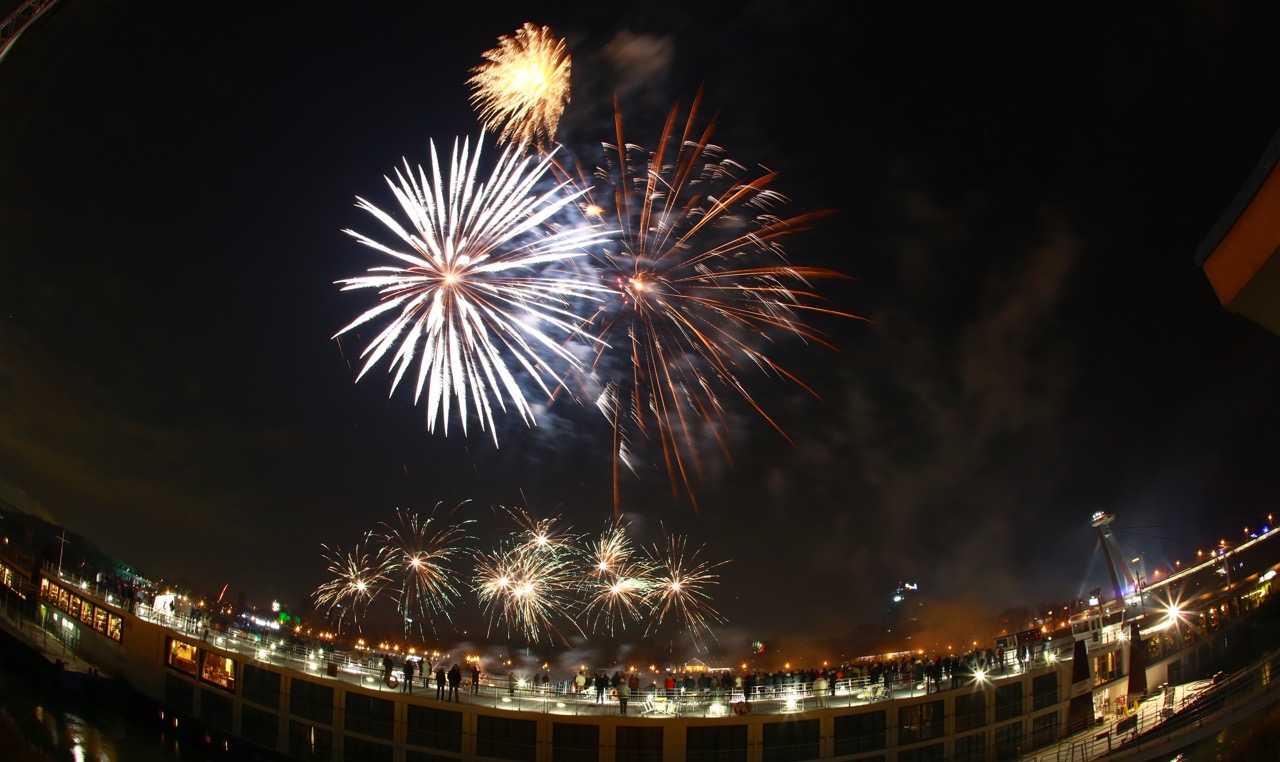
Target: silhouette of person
x,y
455,679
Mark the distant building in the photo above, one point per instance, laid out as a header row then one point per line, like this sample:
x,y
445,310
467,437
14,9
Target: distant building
x,y
902,617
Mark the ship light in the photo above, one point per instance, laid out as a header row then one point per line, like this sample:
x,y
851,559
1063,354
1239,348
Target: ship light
x,y
1270,575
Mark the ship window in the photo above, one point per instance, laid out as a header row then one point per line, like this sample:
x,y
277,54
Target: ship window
x,y
370,716
306,741
855,733
1044,691
1009,742
261,686
1008,702
725,743
1106,668
971,711
115,628
1044,729
931,753
575,743
506,738
638,744
311,701
74,608
182,656
790,741
972,747
365,751
257,726
215,710
434,728
179,693
920,722
219,670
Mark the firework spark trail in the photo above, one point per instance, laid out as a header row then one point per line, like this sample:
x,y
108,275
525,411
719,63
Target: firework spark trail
x,y
421,556
542,582
680,589
534,533
529,589
619,581
360,577
701,286
481,273
521,90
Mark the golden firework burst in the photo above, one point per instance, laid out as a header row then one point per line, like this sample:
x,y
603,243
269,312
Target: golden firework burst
x,y
523,86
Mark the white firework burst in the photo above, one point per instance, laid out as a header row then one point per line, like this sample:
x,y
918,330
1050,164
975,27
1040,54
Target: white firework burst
x,y
483,283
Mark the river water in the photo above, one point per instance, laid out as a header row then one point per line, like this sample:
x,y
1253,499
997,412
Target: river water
x,y
97,724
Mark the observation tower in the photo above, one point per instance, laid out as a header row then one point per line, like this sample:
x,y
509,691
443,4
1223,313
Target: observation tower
x,y
14,24
1121,575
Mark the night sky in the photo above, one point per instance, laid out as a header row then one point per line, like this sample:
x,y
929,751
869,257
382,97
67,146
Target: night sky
x,y
1017,198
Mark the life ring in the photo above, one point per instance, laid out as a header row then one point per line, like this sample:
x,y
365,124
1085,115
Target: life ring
x,y
742,707
391,681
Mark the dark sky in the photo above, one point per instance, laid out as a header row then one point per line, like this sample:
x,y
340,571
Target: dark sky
x,y
1018,198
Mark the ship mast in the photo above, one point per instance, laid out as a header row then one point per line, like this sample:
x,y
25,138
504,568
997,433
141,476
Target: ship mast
x,y
1121,576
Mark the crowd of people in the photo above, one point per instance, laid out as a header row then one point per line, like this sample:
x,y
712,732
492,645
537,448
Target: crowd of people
x,y
881,676
447,682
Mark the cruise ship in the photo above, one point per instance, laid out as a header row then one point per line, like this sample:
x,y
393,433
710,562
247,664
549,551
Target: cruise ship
x,y
1128,678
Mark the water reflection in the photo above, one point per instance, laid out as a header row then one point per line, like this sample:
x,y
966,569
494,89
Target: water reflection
x,y
99,722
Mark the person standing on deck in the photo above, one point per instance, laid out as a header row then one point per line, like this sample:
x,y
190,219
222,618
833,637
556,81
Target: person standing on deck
x,y
455,679
624,694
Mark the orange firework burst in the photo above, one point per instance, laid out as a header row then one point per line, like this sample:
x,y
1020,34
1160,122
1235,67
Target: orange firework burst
x,y
702,287
522,88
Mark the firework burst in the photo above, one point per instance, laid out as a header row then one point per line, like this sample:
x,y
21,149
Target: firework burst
x,y
421,555
542,582
701,287
619,581
522,88
679,592
360,576
476,279
528,589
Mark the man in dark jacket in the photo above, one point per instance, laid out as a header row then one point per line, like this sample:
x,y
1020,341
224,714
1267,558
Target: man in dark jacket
x,y
455,680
